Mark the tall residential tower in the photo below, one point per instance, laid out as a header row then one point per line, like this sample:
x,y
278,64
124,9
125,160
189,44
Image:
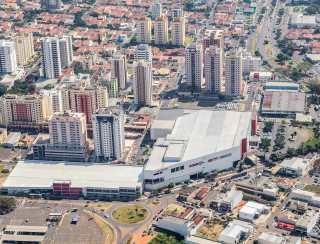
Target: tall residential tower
x,y
56,54
178,30
119,70
213,64
142,83
143,30
193,66
161,34
8,60
108,134
233,74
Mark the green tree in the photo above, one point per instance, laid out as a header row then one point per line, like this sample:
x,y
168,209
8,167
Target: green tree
x,y
281,58
265,144
189,5
268,126
7,204
312,9
3,89
22,88
291,152
314,86
163,238
78,21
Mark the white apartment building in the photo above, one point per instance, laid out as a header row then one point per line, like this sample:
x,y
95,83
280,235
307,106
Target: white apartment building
x,y
51,60
113,90
213,68
143,30
66,52
142,83
68,137
250,64
143,52
193,66
108,134
213,37
156,9
54,100
51,4
24,48
161,35
8,60
233,74
68,129
119,70
57,54
177,12
178,31
3,116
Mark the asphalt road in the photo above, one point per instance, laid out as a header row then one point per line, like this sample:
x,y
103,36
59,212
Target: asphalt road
x,y
123,232
265,32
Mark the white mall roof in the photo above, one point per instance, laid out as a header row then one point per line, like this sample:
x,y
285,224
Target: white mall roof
x,y
198,133
35,174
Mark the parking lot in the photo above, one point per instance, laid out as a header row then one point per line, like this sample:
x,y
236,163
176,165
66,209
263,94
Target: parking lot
x,y
84,231
35,213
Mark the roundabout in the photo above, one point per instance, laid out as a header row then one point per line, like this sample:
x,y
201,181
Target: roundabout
x,y
130,214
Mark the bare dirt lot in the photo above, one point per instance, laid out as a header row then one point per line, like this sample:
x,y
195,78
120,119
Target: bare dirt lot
x,y
210,230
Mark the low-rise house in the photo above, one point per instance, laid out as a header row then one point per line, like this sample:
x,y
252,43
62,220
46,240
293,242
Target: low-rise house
x,y
252,210
228,201
235,232
294,167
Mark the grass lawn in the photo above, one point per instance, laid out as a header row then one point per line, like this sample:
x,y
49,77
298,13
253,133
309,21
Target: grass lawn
x,y
130,214
104,226
312,142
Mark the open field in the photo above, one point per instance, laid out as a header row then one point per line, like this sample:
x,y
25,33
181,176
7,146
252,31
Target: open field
x,y
130,214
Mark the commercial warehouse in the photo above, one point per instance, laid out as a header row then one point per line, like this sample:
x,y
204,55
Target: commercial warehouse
x,y
281,86
194,143
74,180
283,103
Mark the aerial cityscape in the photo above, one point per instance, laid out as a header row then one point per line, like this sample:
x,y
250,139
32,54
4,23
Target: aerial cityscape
x,y
159,121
